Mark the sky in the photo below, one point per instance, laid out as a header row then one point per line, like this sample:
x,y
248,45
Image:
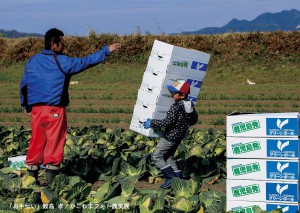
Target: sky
x,y
124,17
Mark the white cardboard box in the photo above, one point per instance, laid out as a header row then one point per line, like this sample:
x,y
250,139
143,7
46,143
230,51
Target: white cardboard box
x,y
142,112
150,111
137,126
171,54
261,169
264,191
167,63
156,83
247,207
164,98
263,125
157,66
17,162
270,148
149,98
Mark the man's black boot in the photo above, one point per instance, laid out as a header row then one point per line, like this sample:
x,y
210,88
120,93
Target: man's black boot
x,y
51,172
33,170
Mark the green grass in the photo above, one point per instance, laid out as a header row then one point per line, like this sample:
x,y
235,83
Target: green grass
x,y
261,72
111,89
122,74
11,72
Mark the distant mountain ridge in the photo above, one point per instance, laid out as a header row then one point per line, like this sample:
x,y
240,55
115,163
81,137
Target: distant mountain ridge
x,y
286,20
16,34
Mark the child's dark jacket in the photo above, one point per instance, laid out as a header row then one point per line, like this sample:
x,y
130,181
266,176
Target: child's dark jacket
x,y
180,117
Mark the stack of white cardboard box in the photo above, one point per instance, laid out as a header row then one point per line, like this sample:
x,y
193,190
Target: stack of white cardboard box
x,y
167,64
263,162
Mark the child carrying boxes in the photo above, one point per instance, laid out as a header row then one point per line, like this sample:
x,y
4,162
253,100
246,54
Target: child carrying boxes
x,y
166,100
179,118
167,64
263,162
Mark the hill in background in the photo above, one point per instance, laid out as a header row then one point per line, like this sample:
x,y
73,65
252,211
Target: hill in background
x,y
16,34
287,20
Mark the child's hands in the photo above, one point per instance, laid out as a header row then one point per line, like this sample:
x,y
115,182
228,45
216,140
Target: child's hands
x,y
147,123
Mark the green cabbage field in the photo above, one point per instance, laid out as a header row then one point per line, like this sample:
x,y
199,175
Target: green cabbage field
x,y
103,167
119,159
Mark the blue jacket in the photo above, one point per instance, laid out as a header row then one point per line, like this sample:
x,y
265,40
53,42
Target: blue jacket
x,y
43,81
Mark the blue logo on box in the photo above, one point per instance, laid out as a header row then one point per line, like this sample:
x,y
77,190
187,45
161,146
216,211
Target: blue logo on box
x,y
284,207
194,83
282,192
282,170
193,99
198,66
282,148
282,126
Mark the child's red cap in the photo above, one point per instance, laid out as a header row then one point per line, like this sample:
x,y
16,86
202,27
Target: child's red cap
x,y
180,86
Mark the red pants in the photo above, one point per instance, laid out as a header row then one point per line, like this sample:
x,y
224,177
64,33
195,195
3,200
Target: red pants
x,y
49,129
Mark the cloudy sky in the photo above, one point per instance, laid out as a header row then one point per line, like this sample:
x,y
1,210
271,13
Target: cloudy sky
x,y
78,17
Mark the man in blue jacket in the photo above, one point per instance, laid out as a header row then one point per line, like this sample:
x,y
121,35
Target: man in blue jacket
x,y
44,96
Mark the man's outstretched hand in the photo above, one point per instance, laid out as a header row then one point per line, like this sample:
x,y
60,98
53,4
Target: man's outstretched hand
x,y
114,47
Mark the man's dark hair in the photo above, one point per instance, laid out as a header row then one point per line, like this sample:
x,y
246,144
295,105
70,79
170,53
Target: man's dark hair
x,y
52,35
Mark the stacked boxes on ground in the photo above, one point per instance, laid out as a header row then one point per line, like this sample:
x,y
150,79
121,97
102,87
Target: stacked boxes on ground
x,y
263,162
167,64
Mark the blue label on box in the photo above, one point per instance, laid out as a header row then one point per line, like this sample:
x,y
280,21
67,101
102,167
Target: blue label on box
x,y
198,66
193,99
194,83
282,126
283,148
282,170
284,207
282,192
